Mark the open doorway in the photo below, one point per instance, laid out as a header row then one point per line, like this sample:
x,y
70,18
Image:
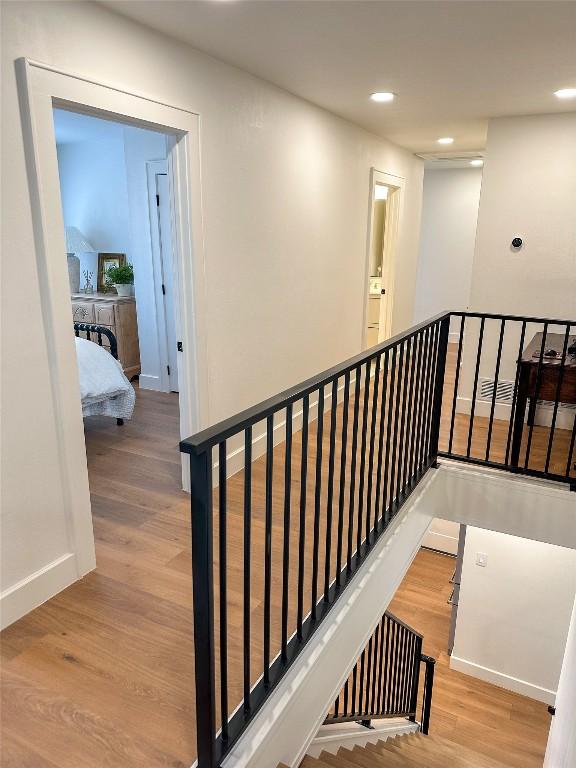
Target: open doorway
x,y
385,201
43,90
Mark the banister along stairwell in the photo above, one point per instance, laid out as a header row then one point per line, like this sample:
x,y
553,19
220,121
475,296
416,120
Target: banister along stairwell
x,y
345,476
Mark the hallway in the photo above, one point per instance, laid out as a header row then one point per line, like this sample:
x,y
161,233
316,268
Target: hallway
x,y
103,673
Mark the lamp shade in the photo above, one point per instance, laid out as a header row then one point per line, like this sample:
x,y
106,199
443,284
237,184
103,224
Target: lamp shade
x,y
76,242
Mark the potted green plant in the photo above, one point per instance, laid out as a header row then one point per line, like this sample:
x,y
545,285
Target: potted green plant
x,y
122,278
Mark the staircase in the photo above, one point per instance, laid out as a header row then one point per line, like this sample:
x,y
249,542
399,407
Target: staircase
x,y
411,751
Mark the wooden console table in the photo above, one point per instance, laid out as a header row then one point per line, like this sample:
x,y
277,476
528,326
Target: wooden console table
x,y
552,375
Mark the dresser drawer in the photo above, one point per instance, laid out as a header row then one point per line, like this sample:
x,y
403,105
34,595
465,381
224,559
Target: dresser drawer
x,y
83,312
104,314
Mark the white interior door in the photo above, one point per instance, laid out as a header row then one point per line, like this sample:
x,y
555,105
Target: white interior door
x,y
165,246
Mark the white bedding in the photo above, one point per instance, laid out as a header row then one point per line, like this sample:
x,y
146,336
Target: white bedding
x,y
104,389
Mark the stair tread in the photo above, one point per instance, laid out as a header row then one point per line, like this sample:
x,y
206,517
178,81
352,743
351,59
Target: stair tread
x,y
413,750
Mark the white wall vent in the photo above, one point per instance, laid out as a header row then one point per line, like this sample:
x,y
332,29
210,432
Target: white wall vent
x,y
504,390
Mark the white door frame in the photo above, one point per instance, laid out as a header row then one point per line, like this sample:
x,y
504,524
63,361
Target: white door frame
x,y
43,87
394,205
154,167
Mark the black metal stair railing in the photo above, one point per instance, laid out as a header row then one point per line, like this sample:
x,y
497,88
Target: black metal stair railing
x,y
512,403
352,444
385,680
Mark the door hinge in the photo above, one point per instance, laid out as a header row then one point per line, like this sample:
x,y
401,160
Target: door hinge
x,y
179,346
163,289
168,369
158,200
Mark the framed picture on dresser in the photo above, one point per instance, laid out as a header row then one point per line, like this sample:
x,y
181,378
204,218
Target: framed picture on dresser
x,y
105,261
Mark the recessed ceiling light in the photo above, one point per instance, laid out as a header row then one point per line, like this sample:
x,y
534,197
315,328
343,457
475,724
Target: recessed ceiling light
x,y
446,140
566,93
382,96
478,161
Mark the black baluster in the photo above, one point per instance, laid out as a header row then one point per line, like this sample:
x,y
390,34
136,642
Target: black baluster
x,y
353,466
371,449
330,489
494,393
222,560
342,492
268,544
286,542
303,491
475,387
247,563
456,382
362,461
317,499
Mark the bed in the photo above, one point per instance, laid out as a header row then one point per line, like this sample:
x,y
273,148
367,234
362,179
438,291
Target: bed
x,y
104,389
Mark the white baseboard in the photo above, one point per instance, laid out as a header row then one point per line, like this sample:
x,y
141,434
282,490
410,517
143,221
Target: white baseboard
x,y
564,416
145,381
502,680
25,595
453,337
331,737
441,542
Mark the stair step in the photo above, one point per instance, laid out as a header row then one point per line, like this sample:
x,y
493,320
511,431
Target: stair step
x,y
412,750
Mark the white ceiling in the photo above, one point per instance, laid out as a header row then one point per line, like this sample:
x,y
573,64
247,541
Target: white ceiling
x,y
453,65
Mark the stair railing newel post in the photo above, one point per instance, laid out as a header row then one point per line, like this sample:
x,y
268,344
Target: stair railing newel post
x,y
439,388
415,680
428,687
203,596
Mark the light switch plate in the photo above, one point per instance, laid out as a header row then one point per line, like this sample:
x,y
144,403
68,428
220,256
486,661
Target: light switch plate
x,y
481,559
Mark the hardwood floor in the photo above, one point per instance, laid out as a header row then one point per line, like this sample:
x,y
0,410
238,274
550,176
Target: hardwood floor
x,y
102,675
493,722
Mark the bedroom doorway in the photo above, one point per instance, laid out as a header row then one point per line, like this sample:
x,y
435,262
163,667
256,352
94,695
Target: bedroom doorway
x,y
118,212
43,89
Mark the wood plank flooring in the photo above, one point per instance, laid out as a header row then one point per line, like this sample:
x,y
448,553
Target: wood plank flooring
x,y
102,675
493,722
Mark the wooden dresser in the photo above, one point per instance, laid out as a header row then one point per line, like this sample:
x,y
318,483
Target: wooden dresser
x,y
117,313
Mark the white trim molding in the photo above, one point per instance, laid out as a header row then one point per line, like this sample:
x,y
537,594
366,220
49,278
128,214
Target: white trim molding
x,y
502,680
29,593
42,88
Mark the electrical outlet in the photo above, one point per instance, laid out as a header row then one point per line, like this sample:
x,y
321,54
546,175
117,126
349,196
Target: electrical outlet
x,y
481,559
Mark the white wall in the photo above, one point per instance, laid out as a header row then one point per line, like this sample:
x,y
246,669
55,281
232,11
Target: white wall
x,y
448,232
561,749
285,212
93,189
528,190
514,614
449,217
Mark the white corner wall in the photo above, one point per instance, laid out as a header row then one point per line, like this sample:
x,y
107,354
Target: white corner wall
x,y
514,613
561,749
285,213
93,190
447,237
528,190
